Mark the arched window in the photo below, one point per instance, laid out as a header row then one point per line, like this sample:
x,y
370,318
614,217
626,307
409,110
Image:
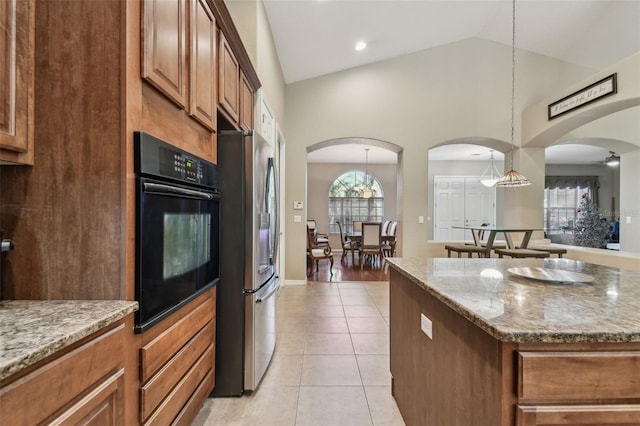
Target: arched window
x,y
347,202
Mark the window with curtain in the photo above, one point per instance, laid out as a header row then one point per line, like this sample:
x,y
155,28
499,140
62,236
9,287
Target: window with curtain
x,y
346,204
562,195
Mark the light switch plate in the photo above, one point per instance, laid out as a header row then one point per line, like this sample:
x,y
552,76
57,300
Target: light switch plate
x,y
426,326
420,219
297,218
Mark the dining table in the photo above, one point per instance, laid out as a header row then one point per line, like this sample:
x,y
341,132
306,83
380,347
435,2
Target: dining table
x,y
507,231
356,237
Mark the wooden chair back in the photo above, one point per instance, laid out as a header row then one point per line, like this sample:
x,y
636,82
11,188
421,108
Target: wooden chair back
x,y
357,226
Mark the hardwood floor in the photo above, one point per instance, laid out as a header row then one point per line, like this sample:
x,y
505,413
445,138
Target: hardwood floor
x,y
347,272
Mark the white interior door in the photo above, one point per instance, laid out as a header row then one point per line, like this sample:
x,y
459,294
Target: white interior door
x,y
461,201
449,208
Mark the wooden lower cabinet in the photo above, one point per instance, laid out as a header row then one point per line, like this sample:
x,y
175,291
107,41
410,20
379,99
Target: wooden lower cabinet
x,y
462,376
177,364
85,385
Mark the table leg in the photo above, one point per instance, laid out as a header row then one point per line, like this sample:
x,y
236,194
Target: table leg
x,y
507,238
489,246
525,240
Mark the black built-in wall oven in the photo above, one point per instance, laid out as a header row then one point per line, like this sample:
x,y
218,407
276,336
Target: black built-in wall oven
x,y
177,228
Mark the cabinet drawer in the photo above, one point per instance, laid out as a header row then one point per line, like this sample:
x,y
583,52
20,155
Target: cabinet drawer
x,y
578,375
175,402
597,415
161,349
153,392
63,380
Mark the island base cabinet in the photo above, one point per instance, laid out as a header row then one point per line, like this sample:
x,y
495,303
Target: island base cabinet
x,y
452,378
601,415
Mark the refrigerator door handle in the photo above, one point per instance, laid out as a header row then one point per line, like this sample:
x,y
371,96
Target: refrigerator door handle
x,y
271,292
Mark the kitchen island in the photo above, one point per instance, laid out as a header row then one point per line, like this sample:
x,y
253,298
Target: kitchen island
x,y
474,344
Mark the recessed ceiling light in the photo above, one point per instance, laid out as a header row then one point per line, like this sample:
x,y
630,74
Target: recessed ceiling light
x,y
361,45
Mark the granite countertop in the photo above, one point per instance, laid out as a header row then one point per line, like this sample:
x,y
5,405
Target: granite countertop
x,y
31,330
511,308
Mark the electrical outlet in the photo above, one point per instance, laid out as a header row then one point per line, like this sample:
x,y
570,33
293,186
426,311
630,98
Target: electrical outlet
x,y
628,219
426,326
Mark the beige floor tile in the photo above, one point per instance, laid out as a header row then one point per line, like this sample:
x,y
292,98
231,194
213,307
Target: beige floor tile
x,y
291,324
349,285
327,325
314,288
284,370
382,406
325,311
324,299
367,325
376,287
361,311
333,406
302,388
328,344
327,370
260,408
290,343
370,343
353,292
374,370
361,300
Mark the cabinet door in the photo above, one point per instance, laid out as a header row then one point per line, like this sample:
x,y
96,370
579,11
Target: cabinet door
x,y
103,406
16,81
164,47
228,80
246,104
203,64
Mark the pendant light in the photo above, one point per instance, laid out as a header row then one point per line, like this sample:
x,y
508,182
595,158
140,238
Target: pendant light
x,y
612,160
490,176
513,179
365,189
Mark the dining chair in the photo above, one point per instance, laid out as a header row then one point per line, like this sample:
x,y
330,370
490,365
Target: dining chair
x,y
389,244
357,226
385,227
347,245
315,254
320,240
371,242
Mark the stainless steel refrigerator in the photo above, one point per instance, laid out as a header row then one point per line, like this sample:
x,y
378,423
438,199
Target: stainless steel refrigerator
x,y
249,282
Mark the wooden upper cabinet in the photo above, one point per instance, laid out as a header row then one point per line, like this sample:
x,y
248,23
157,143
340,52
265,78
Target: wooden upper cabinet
x,y
246,103
228,80
203,81
164,58
17,34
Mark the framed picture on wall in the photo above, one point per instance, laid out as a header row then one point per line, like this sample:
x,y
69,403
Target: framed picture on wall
x,y
598,90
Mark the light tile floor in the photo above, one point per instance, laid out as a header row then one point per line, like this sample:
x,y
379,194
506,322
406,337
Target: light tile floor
x,y
331,365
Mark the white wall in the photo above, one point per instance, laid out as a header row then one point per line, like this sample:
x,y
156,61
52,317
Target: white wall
x,y
415,101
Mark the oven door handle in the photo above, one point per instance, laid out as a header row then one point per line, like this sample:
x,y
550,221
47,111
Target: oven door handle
x,y
174,191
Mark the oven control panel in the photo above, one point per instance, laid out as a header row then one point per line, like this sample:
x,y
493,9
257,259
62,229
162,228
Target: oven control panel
x,y
154,157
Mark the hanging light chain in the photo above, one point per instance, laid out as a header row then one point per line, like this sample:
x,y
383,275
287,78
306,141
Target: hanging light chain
x,y
513,74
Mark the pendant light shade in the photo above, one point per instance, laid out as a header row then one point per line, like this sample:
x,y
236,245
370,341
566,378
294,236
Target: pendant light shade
x,y
513,179
491,175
